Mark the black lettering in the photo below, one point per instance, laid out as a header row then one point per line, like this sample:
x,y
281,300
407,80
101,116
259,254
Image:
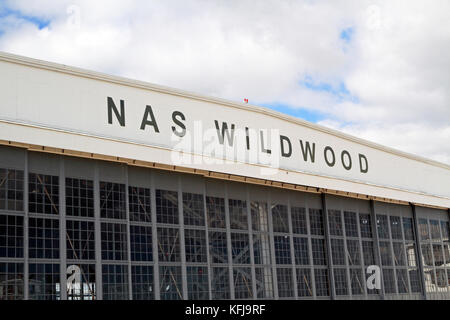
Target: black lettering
x,y
307,150
349,166
283,152
221,133
366,168
247,138
152,122
268,151
325,152
178,122
120,116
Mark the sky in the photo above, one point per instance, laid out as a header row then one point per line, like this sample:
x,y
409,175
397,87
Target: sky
x,y
378,70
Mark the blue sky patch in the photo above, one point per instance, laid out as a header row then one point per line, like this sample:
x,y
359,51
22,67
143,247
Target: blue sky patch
x,y
347,34
302,113
39,22
339,90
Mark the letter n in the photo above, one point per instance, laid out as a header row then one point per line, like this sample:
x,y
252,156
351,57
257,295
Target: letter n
x,y
120,116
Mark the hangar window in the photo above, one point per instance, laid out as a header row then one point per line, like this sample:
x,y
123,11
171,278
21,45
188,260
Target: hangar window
x,y
215,208
43,238
396,227
43,194
80,240
340,281
220,283
351,225
357,281
261,249
301,251
285,283
427,255
435,230
238,214
169,245
338,252
193,209
112,200
139,203
11,236
389,280
280,218
114,241
354,256
414,279
318,251
399,254
142,282
141,243
445,230
282,250
218,247
44,281
322,282
240,248
115,282
197,283
304,285
79,198
365,225
408,228
170,283
423,229
402,281
11,281
411,254
316,222
335,222
195,246
264,282
85,289
11,190
382,226
259,216
368,253
167,206
385,251
298,216
242,283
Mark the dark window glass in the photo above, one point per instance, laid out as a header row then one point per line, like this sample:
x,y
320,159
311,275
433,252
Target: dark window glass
x,y
264,282
79,198
365,225
84,287
167,207
80,240
357,281
304,285
195,245
335,222
43,194
408,228
238,214
193,209
338,252
43,238
301,251
11,190
112,200
402,281
218,247
11,281
114,241
285,283
385,252
242,278
139,203
240,248
142,282
259,216
169,245
396,227
389,280
354,256
299,225
197,283
322,282
316,222
382,226
44,281
282,250
115,282
215,209
170,283
435,230
423,229
351,224
11,236
368,253
340,281
318,251
141,243
280,218
261,249
220,283
399,254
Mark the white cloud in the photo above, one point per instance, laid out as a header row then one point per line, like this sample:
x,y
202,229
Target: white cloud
x,y
396,63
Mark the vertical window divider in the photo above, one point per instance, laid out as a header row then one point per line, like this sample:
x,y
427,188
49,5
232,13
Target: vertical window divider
x,y
25,229
393,258
208,258
250,235
154,237
230,248
377,245
98,230
310,253
328,246
358,224
292,253
62,229
418,253
182,240
127,211
347,266
272,246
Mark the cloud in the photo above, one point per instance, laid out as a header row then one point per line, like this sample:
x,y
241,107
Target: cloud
x,y
375,69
